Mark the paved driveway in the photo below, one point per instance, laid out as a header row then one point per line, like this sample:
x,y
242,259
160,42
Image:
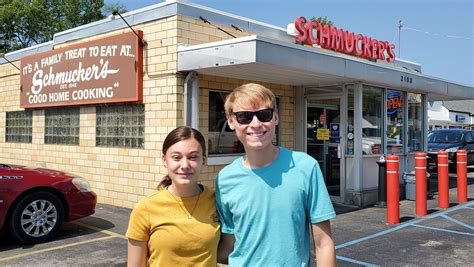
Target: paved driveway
x,y
97,240
443,238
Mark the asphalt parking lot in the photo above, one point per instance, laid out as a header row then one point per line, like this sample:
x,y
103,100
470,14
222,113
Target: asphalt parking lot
x,y
443,237
97,240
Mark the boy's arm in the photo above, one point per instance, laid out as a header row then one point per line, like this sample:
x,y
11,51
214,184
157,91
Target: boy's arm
x,y
324,245
226,246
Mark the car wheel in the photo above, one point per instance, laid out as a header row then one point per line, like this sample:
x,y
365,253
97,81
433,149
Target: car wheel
x,y
36,218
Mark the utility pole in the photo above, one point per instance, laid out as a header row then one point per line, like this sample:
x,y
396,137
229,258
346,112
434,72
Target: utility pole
x,y
400,25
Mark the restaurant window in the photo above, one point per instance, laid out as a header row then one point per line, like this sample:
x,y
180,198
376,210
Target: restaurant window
x,y
372,120
19,126
415,120
395,131
120,126
62,126
221,139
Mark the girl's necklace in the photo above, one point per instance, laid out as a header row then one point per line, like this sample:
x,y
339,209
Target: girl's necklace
x,y
190,215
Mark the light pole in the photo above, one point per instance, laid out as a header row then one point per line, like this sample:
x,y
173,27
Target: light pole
x,y
400,25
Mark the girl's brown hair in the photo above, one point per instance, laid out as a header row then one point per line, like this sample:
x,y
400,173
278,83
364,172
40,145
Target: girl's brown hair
x,y
179,134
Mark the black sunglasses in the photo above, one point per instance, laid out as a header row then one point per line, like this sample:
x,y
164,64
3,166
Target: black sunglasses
x,y
245,117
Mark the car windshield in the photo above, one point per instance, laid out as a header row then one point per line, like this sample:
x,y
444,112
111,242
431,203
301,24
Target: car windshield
x,y
444,137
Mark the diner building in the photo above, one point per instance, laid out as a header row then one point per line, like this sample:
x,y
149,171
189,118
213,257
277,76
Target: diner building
x,y
99,99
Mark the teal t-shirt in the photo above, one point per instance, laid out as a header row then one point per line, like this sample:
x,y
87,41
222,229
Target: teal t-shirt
x,y
269,209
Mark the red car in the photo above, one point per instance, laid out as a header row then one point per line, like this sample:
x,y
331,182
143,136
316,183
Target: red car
x,y
34,202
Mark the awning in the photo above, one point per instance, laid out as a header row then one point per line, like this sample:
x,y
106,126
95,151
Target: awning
x,y
267,60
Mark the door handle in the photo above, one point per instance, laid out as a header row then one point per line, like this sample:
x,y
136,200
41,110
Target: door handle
x,y
339,150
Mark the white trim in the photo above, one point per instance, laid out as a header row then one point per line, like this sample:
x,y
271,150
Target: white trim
x,y
214,160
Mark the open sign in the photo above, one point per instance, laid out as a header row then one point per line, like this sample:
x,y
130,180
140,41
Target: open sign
x,y
394,102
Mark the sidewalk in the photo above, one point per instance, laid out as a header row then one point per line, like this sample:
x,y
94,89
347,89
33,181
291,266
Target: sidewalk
x,y
444,237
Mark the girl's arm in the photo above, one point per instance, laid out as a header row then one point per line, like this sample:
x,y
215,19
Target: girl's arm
x,y
137,253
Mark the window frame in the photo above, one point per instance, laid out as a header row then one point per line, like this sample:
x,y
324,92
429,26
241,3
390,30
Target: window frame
x,y
126,135
372,91
17,128
402,133
408,143
62,133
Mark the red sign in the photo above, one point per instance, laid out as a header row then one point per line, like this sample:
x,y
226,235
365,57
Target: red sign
x,y
107,70
322,118
341,40
394,103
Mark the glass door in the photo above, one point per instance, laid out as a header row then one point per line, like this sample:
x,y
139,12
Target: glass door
x,y
324,140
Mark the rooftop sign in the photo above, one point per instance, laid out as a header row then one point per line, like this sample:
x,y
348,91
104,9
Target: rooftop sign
x,y
340,40
107,70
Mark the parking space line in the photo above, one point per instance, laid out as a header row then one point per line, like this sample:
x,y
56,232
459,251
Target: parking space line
x,y
458,222
356,261
55,248
461,206
350,243
403,225
100,230
442,230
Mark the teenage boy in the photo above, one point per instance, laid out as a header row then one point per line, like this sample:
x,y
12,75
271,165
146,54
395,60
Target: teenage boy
x,y
268,199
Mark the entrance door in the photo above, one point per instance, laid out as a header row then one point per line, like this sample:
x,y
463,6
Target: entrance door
x,y
324,140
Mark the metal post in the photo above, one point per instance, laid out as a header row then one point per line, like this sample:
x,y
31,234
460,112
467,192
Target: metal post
x,y
400,25
461,159
420,183
382,189
393,193
443,180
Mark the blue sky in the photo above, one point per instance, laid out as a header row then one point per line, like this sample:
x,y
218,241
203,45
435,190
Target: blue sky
x,y
438,34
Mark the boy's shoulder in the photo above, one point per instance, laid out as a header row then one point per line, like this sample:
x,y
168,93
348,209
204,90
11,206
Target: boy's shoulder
x,y
231,167
297,156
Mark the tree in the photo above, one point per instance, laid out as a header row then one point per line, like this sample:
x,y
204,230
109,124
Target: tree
x,y
110,8
24,23
323,20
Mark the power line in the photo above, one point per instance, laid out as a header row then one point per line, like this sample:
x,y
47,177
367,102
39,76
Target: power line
x,y
437,34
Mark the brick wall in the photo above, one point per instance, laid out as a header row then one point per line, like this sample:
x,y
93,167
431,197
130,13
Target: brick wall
x,y
121,176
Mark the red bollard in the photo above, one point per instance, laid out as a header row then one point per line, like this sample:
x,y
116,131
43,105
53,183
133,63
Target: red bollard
x,y
461,159
420,180
393,191
443,180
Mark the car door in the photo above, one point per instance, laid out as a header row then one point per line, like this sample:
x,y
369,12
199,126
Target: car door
x,y
469,147
11,185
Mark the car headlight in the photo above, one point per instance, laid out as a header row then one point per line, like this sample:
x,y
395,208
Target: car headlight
x,y
81,184
452,149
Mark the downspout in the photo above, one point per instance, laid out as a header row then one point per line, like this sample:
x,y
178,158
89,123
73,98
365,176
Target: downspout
x,y
300,119
191,100
358,159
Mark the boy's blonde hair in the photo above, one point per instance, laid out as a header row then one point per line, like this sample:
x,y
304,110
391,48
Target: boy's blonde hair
x,y
250,94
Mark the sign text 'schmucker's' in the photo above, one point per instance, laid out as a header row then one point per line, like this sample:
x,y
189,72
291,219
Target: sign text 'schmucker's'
x,y
340,40
102,71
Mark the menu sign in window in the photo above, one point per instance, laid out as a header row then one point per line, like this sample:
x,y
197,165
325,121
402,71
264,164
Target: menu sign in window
x,y
107,70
